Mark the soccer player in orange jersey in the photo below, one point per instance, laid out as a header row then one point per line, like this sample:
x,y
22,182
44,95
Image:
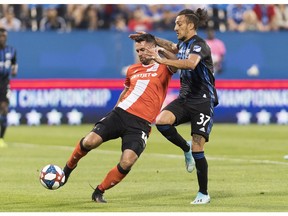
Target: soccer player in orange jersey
x,y
137,107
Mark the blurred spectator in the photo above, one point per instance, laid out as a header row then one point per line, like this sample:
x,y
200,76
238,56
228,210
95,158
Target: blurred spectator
x,y
153,12
87,19
139,22
241,18
217,17
51,20
119,24
266,17
75,14
218,50
166,23
9,21
281,11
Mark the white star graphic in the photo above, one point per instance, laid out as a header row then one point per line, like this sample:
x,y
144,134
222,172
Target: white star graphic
x,y
263,117
243,117
54,117
33,117
74,117
282,117
13,118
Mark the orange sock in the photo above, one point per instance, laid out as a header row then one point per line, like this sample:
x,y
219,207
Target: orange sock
x,y
77,154
112,178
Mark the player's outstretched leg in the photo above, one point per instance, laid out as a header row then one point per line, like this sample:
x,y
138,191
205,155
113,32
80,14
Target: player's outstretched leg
x,y
67,171
189,160
170,132
79,152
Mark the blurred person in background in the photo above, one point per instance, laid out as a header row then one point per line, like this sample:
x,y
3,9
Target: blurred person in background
x,y
167,22
241,17
51,21
89,19
119,24
218,50
266,17
8,67
281,11
139,22
9,21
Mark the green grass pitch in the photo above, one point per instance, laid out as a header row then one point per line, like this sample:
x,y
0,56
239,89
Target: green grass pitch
x,y
247,172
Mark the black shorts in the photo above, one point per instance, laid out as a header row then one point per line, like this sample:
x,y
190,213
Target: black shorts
x,y
200,115
133,130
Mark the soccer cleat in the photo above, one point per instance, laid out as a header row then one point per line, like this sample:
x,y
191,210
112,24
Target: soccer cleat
x,y
189,160
67,171
3,144
97,196
201,199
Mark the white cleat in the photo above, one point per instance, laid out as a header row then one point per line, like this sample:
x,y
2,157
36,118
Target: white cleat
x,y
201,199
189,160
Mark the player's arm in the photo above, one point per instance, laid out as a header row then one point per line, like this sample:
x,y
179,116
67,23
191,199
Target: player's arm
x,y
121,95
168,55
14,70
190,63
168,45
14,66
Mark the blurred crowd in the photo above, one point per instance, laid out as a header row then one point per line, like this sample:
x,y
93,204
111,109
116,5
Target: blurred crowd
x,y
138,17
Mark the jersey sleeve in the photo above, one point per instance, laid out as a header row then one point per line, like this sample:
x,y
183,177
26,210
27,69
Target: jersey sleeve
x,y
200,48
127,79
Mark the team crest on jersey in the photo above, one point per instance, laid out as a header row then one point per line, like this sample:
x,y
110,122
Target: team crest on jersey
x,y
153,68
196,48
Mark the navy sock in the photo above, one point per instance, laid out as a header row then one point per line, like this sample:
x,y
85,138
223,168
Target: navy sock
x,y
202,171
173,136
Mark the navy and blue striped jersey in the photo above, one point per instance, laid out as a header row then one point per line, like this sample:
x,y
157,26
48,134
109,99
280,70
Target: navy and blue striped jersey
x,y
7,59
198,83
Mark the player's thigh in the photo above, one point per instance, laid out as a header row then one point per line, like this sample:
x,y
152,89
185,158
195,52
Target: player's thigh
x,y
109,127
176,113
136,135
202,120
135,142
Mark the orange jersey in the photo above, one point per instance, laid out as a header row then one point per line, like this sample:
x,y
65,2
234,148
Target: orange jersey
x,y
148,86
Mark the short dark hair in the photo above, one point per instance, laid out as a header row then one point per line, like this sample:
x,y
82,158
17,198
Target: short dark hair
x,y
146,37
198,17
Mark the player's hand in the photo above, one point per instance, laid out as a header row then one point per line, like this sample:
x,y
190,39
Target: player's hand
x,y
154,54
133,36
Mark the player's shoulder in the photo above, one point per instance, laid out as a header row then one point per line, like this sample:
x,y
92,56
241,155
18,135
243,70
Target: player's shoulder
x,y
134,67
10,48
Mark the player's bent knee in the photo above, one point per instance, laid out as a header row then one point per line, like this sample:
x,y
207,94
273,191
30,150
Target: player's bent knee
x,y
126,164
92,141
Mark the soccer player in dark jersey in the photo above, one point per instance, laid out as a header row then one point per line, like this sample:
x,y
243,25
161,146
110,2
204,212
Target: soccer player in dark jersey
x,y
138,105
197,97
8,68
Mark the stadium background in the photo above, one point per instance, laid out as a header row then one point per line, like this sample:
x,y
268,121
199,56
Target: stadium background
x,y
80,73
